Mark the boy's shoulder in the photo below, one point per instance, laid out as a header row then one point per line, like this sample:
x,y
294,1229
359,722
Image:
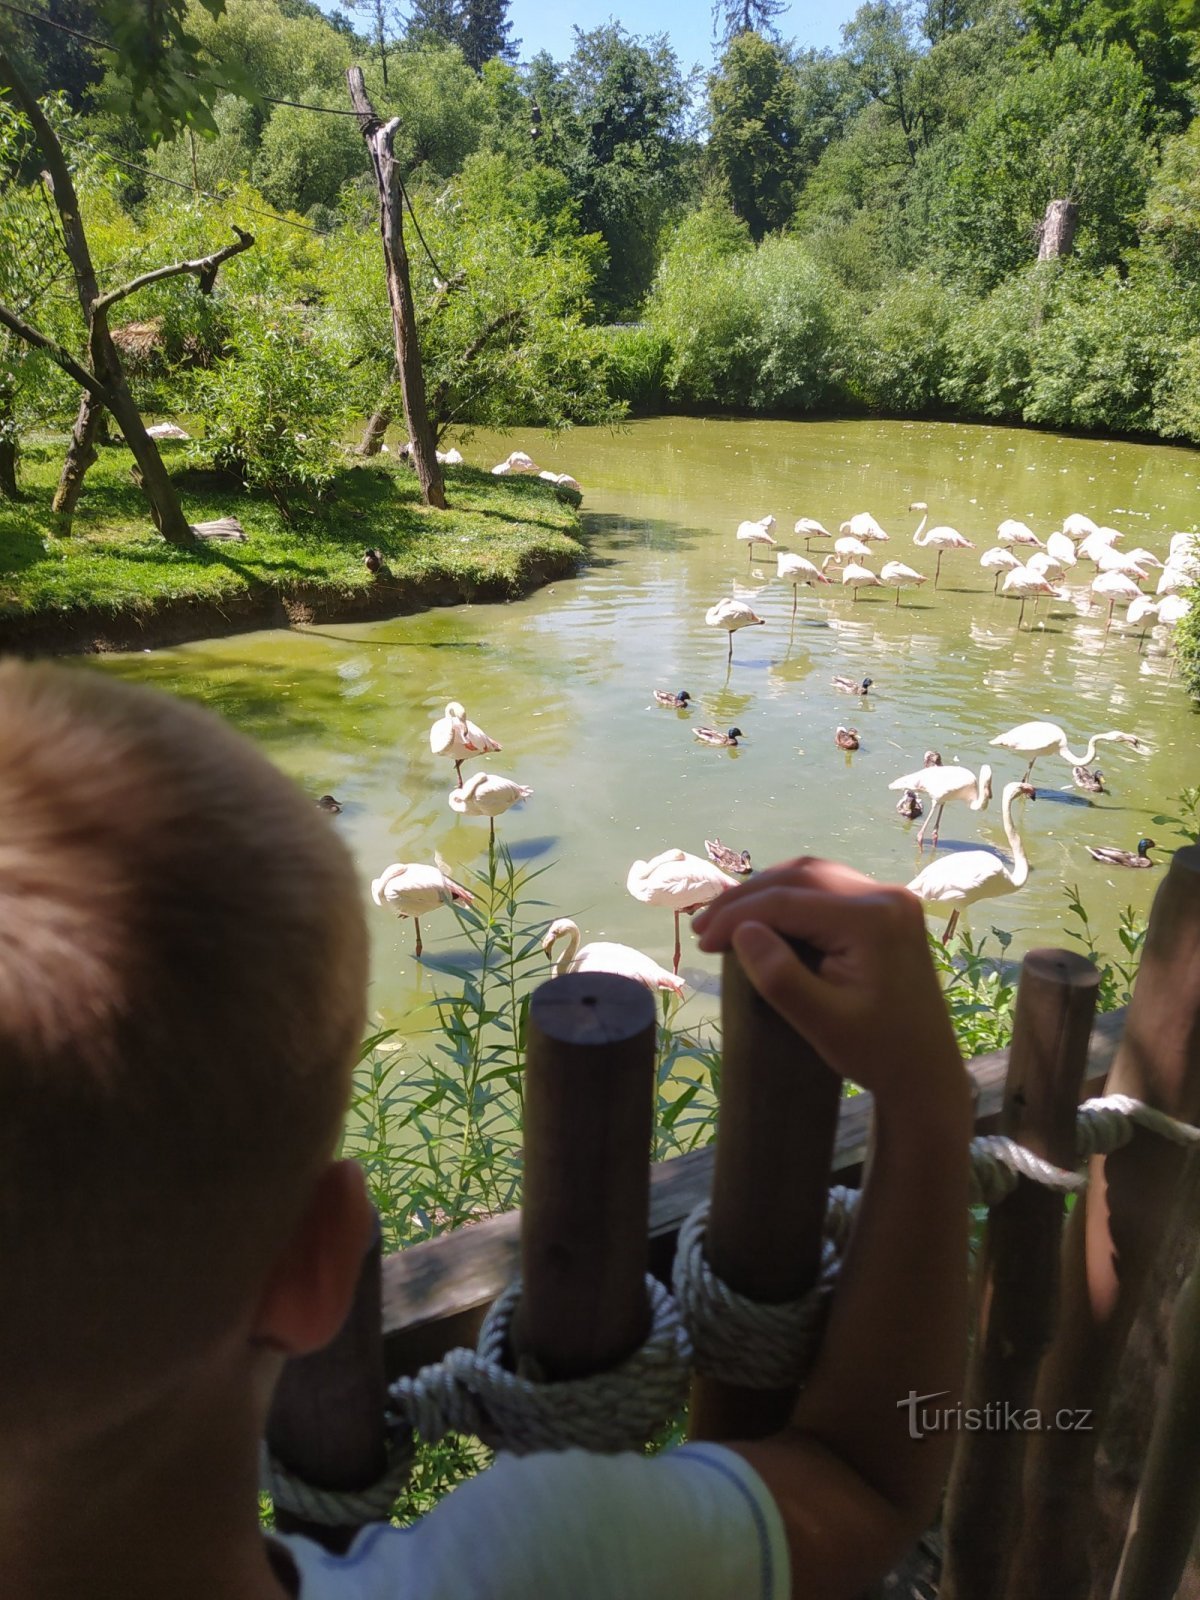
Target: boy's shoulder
x,y
697,1520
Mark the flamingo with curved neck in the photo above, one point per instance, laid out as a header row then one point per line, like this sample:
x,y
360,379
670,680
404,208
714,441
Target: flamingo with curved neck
x,y
1034,739
957,881
622,959
941,539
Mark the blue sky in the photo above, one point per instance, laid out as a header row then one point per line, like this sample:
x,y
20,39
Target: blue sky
x,y
541,25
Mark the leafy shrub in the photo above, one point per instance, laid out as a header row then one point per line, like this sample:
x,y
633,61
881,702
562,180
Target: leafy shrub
x,y
273,408
901,347
747,328
1100,356
991,343
636,369
1187,646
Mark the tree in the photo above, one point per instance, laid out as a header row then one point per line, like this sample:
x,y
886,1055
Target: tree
x,y
754,138
733,17
613,124
103,381
384,19
1161,35
485,32
1075,128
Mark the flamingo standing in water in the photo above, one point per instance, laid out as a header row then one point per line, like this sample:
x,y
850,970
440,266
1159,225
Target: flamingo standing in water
x,y
1118,589
1078,525
854,577
796,570
1061,548
486,794
999,561
679,880
943,784
808,528
1011,531
1034,739
940,539
454,736
959,880
732,615
622,959
414,890
862,525
759,532
1023,582
897,576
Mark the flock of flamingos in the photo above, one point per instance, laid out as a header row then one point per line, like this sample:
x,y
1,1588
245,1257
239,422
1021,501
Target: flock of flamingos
x,y
681,882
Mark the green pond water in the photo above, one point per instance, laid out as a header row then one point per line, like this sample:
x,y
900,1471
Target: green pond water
x,y
563,679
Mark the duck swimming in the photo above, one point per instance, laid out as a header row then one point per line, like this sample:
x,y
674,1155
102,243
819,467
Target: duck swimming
x,y
328,803
846,738
1124,858
1092,781
909,805
852,686
677,702
728,860
715,736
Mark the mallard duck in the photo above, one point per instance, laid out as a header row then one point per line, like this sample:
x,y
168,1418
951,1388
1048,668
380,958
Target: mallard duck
x,y
1124,858
715,736
728,860
909,805
846,738
328,803
1093,781
853,686
677,702
373,560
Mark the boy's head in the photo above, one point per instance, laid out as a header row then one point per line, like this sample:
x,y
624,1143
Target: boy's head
x,y
182,981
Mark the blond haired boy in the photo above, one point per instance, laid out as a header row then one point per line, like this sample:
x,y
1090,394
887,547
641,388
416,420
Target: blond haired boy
x,y
183,966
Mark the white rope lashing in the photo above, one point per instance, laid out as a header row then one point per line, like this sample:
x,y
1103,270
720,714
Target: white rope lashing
x,y
705,1325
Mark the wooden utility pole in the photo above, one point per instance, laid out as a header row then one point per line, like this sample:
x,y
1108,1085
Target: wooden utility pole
x,y
379,136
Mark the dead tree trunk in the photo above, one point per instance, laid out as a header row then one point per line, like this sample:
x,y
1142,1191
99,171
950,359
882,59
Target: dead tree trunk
x,y
9,489
105,385
81,452
1056,232
378,137
380,419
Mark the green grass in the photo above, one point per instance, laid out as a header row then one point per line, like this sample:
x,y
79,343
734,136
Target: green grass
x,y
497,531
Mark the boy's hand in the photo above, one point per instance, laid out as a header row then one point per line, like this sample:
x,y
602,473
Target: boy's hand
x,y
872,1008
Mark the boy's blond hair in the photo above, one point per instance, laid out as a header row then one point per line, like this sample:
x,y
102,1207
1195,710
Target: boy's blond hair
x,y
182,981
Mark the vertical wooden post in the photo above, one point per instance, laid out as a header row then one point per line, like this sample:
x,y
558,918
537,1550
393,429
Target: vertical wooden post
x,y
589,1116
1019,1272
775,1132
327,1418
1167,1511
378,137
1110,1244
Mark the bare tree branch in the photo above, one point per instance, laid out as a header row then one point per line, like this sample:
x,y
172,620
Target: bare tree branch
x,y
64,359
205,268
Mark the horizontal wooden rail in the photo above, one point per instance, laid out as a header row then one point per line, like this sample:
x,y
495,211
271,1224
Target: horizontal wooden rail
x,y
435,1294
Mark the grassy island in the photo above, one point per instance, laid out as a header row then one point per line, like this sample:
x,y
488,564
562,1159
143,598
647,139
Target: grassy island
x,y
115,584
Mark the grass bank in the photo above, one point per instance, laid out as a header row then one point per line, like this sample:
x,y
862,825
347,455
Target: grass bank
x,y
114,584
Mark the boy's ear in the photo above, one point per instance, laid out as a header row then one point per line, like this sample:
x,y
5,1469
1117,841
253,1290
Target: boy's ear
x,y
308,1295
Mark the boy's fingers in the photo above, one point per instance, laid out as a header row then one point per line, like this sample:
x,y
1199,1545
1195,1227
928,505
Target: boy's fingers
x,y
824,920
810,872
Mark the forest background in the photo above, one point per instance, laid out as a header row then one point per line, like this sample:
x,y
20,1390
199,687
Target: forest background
x,y
796,231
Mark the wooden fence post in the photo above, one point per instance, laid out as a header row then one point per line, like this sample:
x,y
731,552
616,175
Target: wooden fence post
x,y
589,1118
326,1423
1110,1243
775,1131
1018,1274
1163,1527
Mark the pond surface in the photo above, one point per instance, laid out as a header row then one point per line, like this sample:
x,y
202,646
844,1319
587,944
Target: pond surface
x,y
564,678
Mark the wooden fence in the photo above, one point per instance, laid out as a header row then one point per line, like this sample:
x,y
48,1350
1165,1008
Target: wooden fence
x,y
1028,1515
